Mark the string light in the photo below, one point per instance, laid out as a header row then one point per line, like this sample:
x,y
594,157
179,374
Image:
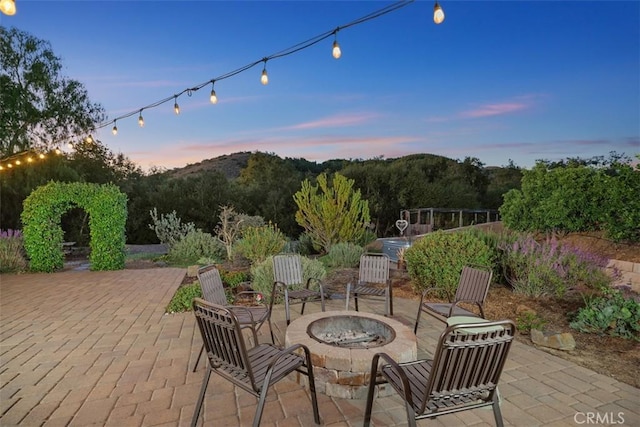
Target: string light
x,y
438,14
264,78
70,145
29,159
337,53
8,7
41,155
89,140
176,107
114,130
213,98
58,151
18,162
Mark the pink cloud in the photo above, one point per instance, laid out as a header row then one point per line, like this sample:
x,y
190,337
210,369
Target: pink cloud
x,y
494,109
341,120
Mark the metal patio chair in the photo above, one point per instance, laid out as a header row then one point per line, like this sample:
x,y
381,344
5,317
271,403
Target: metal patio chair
x,y
288,281
373,281
473,288
463,374
254,369
248,316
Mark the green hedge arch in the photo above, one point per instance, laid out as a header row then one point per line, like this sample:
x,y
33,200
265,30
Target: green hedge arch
x,y
43,235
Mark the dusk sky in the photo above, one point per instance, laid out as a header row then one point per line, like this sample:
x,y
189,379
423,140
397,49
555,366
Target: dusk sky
x,y
520,80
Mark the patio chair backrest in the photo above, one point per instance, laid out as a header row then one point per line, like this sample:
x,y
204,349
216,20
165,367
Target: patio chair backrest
x,y
374,268
287,269
467,361
212,286
474,284
223,341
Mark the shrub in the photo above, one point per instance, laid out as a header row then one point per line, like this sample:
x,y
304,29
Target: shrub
x,y
12,258
528,320
194,246
183,298
549,268
257,243
262,274
436,260
169,228
233,278
611,314
344,255
305,245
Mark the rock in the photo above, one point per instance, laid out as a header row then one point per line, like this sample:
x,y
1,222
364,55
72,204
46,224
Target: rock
x,y
563,341
192,270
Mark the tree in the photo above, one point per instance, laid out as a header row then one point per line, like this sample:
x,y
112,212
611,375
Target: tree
x,y
336,215
39,108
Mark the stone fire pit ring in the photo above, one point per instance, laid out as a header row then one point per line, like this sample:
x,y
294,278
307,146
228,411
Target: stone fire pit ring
x,y
344,372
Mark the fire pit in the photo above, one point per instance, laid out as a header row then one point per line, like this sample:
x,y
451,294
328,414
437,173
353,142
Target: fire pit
x,y
342,344
351,331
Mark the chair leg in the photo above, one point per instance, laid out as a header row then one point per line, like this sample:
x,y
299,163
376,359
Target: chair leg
x,y
312,386
198,359
496,409
203,390
303,304
263,397
415,328
355,299
370,392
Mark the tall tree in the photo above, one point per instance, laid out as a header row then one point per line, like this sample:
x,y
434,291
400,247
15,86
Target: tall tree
x,y
39,108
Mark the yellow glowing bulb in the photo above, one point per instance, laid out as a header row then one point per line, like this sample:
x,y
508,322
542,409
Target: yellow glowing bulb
x,y
438,14
42,156
213,98
114,130
58,151
337,53
141,120
18,162
9,165
264,79
1,168
8,7
29,159
70,145
176,108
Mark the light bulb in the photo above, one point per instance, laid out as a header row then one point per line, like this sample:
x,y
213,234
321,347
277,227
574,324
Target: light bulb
x,y
141,120
58,151
438,14
176,107
42,156
264,79
29,159
18,162
8,7
70,145
1,168
337,53
89,140
9,165
114,131
214,97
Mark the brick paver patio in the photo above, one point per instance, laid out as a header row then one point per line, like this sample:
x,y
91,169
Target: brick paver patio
x,y
86,348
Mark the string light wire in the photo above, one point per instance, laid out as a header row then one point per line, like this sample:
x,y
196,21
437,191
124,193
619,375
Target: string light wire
x,y
283,53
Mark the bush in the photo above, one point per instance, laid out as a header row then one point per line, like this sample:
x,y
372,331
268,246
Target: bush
x,y
528,320
257,243
169,228
611,314
436,260
233,278
344,255
12,258
262,274
549,268
305,245
194,246
183,298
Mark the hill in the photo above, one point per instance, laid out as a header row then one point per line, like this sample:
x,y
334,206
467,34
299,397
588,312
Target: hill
x,y
229,165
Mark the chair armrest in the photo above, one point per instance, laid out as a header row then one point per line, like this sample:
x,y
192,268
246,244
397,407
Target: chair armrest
x,y
320,285
406,389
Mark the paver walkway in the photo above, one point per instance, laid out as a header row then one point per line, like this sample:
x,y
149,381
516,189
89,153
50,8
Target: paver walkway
x,y
86,348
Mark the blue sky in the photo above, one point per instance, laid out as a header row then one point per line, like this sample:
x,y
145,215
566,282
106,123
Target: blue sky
x,y
520,80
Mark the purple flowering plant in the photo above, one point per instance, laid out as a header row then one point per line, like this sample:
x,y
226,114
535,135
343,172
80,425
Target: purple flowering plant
x,y
541,268
12,255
